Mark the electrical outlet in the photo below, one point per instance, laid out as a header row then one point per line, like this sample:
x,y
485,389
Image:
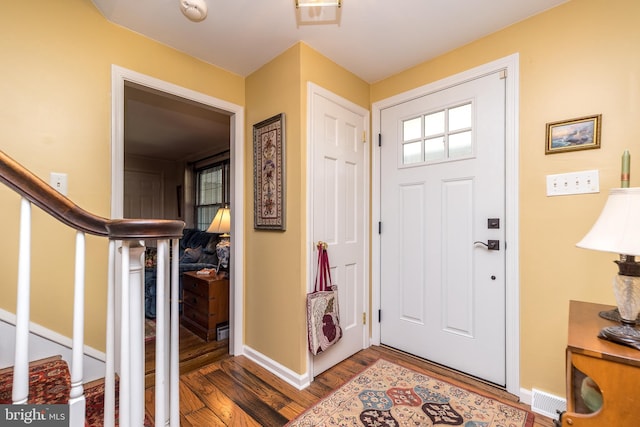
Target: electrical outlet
x,y
59,182
573,183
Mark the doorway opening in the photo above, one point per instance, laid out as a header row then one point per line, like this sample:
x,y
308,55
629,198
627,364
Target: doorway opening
x,y
179,127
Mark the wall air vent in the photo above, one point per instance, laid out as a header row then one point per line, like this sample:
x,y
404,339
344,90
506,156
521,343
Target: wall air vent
x,y
547,404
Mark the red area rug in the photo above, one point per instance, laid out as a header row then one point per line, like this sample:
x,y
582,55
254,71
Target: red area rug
x,y
386,395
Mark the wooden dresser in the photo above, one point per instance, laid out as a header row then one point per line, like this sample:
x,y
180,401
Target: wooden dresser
x,y
205,303
614,368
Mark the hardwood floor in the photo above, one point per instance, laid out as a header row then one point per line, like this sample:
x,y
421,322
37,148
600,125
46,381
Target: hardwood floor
x,y
233,391
194,354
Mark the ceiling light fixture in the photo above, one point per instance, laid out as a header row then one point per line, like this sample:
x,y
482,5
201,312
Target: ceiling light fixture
x,y
318,11
195,10
317,3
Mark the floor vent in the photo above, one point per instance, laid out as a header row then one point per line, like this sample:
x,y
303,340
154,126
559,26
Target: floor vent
x,y
547,404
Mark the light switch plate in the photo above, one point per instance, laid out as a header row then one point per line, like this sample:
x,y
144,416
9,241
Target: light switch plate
x,y
581,182
59,182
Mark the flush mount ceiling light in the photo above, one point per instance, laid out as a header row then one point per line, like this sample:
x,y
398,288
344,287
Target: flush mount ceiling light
x,y
318,3
318,11
195,10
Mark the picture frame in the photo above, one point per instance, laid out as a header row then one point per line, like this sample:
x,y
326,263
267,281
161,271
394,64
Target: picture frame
x,y
582,133
269,173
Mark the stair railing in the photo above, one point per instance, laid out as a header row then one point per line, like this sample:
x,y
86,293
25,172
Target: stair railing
x,y
126,280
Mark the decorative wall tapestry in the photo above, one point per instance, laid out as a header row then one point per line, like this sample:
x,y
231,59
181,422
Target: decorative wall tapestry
x,y
269,174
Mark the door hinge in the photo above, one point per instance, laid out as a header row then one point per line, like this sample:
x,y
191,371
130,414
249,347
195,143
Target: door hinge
x,y
364,137
364,318
379,227
503,74
379,140
379,316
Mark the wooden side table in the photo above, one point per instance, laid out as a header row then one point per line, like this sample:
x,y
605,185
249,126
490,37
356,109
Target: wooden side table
x,y
614,368
206,303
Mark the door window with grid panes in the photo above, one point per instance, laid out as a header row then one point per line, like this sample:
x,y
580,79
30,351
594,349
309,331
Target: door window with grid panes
x,y
212,192
438,136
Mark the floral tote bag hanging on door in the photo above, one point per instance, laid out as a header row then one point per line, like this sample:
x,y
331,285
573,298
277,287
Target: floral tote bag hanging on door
x,y
323,324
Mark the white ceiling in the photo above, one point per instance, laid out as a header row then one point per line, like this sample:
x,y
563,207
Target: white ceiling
x,y
167,127
373,39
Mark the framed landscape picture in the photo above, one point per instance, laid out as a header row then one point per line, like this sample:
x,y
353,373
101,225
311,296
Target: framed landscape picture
x,y
576,134
269,174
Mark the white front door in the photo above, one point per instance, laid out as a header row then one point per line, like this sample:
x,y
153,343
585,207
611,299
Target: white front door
x,y
339,195
442,214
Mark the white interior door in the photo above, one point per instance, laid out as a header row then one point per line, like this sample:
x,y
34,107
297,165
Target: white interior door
x,y
339,190
442,290
143,195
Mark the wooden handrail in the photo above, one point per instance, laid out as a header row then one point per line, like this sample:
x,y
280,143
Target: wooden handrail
x,y
41,194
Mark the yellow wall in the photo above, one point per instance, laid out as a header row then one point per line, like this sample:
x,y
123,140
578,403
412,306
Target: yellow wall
x,y
55,115
274,260
275,276
575,60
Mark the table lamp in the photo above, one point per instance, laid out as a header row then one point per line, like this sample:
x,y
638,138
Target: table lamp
x,y
221,224
617,230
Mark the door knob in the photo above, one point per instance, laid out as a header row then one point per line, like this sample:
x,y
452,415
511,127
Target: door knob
x,y
491,245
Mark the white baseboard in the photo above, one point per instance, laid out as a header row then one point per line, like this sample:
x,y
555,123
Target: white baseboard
x,y
43,343
298,381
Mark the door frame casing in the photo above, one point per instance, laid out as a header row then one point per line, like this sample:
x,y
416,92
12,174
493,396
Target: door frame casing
x,y
119,76
512,287
312,90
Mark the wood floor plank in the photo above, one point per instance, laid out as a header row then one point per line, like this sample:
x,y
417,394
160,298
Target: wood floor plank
x,y
246,399
189,401
204,417
212,397
301,397
292,410
262,390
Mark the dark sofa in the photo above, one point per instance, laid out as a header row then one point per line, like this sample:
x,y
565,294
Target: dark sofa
x,y
197,251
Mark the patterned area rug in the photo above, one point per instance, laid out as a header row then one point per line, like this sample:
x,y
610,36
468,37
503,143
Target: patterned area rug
x,y
389,395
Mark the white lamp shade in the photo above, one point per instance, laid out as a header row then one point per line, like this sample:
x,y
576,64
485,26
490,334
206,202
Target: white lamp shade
x,y
617,229
221,223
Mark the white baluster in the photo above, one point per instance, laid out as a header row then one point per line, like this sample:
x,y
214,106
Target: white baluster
x,y
175,337
110,369
125,359
20,392
161,337
136,338
76,397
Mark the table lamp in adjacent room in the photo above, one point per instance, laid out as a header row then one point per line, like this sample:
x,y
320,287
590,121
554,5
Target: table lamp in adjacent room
x,y
221,224
617,230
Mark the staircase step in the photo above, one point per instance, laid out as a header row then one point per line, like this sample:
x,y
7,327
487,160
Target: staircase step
x,y
49,382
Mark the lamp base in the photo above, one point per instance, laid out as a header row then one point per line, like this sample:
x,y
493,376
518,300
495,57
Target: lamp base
x,y
622,334
614,315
